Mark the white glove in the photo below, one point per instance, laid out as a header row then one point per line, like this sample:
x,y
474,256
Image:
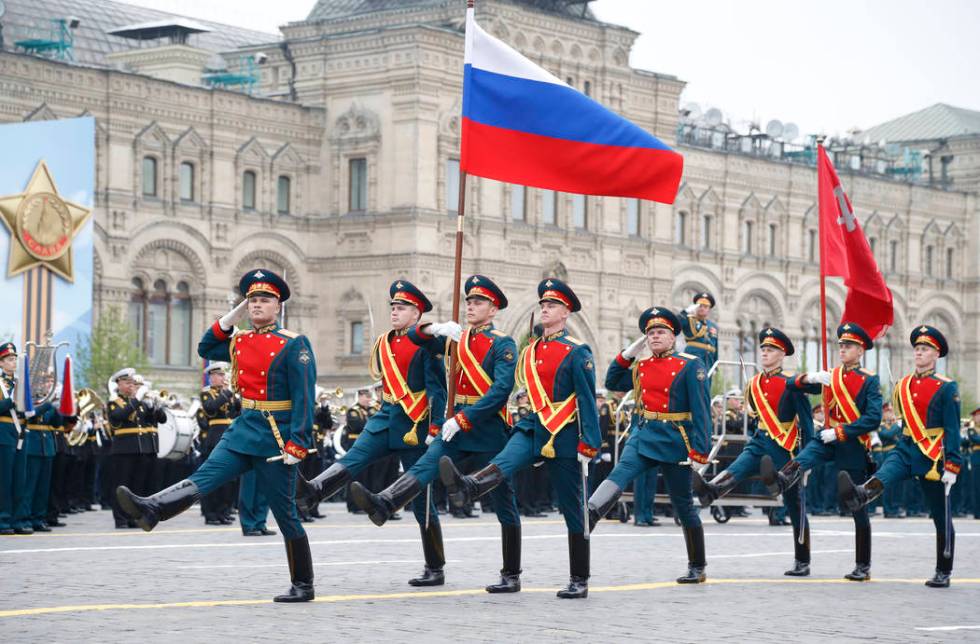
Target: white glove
x,y
450,330
289,459
828,436
228,321
429,439
875,439
691,308
630,352
949,479
449,429
582,458
606,458
818,377
141,392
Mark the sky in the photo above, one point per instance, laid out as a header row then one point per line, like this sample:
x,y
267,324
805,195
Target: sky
x,y
827,65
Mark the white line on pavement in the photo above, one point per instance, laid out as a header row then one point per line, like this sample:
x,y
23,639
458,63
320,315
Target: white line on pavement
x,y
316,563
776,554
948,628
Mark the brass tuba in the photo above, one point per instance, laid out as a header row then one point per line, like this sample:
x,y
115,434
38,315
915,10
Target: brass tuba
x,y
89,403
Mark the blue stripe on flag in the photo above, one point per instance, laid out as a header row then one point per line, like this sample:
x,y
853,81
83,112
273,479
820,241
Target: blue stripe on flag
x,y
547,109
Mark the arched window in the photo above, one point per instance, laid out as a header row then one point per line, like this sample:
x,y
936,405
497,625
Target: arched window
x,y
137,311
248,190
186,181
149,176
893,256
706,221
950,256
748,229
928,261
811,245
162,320
680,228
773,239
156,323
179,331
282,195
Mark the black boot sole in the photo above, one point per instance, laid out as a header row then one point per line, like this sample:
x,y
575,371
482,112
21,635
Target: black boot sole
x,y
703,490
125,499
364,499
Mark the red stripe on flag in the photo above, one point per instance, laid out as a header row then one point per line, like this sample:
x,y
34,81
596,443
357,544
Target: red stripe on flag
x,y
570,166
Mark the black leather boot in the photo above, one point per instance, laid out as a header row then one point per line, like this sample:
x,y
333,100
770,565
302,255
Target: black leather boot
x,y
324,486
862,555
300,571
707,492
778,482
944,566
854,497
510,574
463,490
578,567
435,558
694,539
801,563
381,506
150,510
602,501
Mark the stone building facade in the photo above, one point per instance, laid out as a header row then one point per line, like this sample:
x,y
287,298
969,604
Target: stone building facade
x,y
345,176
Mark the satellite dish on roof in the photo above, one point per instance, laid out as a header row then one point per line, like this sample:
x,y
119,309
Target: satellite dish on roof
x,y
790,132
774,129
691,111
713,117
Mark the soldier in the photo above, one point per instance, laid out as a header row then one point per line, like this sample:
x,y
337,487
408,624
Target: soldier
x,y
253,507
478,430
929,403
31,501
700,333
274,371
64,457
414,403
134,440
559,373
11,426
852,395
322,425
220,407
673,426
973,446
889,435
782,412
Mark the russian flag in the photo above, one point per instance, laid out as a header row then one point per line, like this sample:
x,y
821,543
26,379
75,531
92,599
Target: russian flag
x,y
523,125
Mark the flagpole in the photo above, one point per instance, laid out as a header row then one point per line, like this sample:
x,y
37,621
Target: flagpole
x,y
823,303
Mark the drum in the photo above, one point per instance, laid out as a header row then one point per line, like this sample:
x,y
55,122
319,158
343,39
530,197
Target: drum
x,y
176,435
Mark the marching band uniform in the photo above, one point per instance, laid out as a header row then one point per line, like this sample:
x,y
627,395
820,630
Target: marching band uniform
x,y
10,455
672,428
134,444
414,399
62,461
701,335
782,412
357,417
559,374
889,434
854,402
929,404
973,449
486,359
322,424
39,443
275,372
220,407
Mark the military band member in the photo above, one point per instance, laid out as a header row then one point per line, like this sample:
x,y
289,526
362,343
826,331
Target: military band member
x,y
11,426
853,396
559,373
700,333
782,412
31,500
478,430
929,404
414,401
134,440
672,426
220,407
357,417
274,371
322,425
973,449
889,434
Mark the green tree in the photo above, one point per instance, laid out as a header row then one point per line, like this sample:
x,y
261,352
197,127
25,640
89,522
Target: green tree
x,y
112,346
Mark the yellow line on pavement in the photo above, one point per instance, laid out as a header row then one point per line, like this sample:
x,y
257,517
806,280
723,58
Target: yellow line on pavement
x,y
331,599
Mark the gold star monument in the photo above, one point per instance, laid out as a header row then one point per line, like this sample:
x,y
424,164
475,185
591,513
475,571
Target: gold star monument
x,y
42,226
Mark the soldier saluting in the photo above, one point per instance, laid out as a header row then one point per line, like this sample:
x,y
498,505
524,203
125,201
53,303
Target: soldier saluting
x,y
700,333
274,371
672,427
930,405
853,396
782,412
559,374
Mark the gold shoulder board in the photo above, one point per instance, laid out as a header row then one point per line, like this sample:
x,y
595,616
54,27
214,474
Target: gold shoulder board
x,y
686,355
498,332
944,378
288,334
574,341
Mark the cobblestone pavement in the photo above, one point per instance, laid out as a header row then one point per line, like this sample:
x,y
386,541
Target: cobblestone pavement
x,y
186,582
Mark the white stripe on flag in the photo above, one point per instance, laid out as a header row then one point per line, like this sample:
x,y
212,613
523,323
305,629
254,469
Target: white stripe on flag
x,y
485,52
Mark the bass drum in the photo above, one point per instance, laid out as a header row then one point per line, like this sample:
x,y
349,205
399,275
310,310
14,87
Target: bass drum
x,y
176,435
